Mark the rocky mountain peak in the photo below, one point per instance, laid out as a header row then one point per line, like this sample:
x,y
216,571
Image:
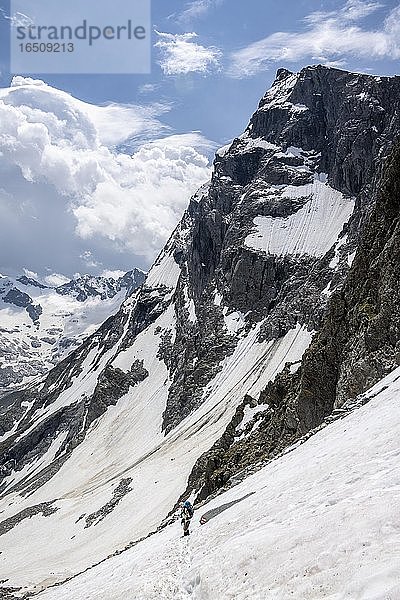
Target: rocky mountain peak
x,y
30,281
282,74
340,115
214,362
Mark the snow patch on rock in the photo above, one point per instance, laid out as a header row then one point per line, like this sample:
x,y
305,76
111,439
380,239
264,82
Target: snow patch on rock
x,y
312,230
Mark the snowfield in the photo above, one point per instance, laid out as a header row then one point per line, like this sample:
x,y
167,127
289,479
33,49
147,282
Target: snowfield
x,y
312,230
127,442
321,522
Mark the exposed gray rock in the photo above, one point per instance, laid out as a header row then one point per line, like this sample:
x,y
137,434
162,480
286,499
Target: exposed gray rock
x,y
8,593
357,345
18,298
111,386
45,509
22,300
340,123
120,491
195,357
360,340
29,281
88,286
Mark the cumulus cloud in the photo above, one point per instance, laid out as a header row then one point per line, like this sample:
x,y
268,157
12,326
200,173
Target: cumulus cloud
x,y
111,124
180,55
329,38
143,201
70,200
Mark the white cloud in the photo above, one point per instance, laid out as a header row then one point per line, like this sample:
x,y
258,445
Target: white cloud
x,y
329,38
112,123
148,88
116,122
70,200
89,260
196,9
143,201
180,55
353,10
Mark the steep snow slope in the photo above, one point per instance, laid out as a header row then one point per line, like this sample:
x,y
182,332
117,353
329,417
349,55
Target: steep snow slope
x,y
311,230
127,443
320,522
99,453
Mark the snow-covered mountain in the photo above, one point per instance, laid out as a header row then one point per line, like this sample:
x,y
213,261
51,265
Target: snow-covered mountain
x,y
319,522
41,324
274,303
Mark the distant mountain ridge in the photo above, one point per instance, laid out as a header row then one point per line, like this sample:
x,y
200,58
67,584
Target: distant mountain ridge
x,y
41,324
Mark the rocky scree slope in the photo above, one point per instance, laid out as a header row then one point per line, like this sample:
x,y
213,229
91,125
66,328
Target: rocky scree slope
x,y
230,305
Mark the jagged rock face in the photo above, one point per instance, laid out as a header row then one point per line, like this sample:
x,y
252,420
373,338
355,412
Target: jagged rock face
x,y
12,295
360,340
234,254
40,325
346,117
312,143
29,281
357,345
208,350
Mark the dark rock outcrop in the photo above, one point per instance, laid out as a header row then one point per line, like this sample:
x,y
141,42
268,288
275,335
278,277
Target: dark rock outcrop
x,y
29,281
119,492
17,298
360,340
318,121
356,346
45,509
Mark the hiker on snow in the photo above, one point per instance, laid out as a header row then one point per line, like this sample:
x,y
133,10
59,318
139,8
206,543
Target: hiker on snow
x,y
186,515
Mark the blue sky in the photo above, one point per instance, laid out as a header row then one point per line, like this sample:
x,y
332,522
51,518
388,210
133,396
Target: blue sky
x,y
212,60
215,102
